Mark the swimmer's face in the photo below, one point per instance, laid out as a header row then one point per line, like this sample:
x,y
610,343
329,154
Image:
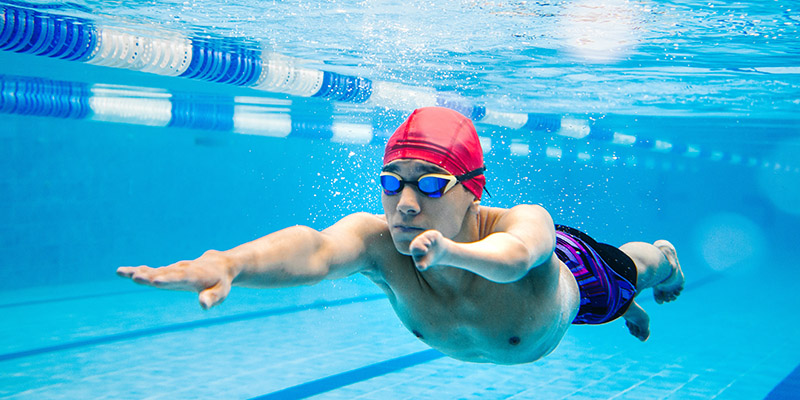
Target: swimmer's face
x,y
410,212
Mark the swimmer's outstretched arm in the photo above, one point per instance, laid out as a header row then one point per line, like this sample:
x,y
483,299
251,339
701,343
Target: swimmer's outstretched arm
x,y
293,256
524,238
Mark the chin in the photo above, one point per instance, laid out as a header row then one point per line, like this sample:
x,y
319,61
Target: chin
x,y
403,247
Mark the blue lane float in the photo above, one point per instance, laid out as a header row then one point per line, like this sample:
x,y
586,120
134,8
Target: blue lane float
x,y
228,61
344,88
543,122
232,62
240,67
462,105
311,130
224,61
43,97
601,134
203,113
274,118
33,32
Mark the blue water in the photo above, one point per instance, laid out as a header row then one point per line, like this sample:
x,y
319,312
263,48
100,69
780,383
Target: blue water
x,y
81,196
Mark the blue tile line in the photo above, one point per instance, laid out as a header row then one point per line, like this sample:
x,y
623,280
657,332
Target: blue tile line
x,y
788,388
187,326
70,298
211,321
336,381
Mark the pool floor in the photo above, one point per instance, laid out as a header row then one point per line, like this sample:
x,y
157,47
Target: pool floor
x,y
727,337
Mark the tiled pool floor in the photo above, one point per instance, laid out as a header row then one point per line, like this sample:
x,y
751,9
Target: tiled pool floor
x,y
729,336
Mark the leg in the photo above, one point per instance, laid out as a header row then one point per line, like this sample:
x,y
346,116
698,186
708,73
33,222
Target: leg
x,y
638,321
657,267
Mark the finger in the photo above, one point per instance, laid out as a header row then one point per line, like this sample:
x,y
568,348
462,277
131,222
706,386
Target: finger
x,y
419,246
421,263
164,277
177,279
417,242
124,272
143,275
214,295
127,272
157,277
417,251
431,236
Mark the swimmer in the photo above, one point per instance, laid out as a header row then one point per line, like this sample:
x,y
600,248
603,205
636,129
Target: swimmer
x,y
479,284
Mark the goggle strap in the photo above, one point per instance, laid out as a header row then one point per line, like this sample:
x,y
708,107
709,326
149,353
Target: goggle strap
x,y
471,174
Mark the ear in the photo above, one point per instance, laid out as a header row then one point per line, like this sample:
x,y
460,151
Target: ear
x,y
475,206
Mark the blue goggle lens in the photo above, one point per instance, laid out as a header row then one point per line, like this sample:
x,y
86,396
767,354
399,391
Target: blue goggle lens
x,y
391,185
430,186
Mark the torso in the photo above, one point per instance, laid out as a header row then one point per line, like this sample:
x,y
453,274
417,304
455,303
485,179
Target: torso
x,y
473,319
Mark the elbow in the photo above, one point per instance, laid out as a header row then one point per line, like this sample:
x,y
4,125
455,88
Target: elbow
x,y
519,270
542,251
541,256
523,260
516,266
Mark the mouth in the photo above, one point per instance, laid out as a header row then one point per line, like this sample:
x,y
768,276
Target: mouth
x,y
407,228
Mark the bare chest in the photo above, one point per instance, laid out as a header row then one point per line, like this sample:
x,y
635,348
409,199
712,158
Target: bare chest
x,y
478,320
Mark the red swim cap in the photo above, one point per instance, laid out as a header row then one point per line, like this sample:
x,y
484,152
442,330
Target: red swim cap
x,y
443,137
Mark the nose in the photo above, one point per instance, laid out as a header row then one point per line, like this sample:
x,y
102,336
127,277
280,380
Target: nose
x,y
408,203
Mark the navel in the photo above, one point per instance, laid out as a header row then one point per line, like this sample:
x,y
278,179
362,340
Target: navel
x,y
514,340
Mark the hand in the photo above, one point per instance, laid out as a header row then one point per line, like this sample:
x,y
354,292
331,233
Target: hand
x,y
210,275
428,248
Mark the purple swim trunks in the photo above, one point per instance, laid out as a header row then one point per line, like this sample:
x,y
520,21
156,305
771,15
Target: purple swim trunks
x,y
606,276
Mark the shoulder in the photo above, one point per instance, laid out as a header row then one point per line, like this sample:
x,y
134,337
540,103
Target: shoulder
x,y
526,214
524,221
354,243
527,210
374,242
360,225
364,218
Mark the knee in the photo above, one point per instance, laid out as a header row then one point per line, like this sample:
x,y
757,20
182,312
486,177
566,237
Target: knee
x,y
646,254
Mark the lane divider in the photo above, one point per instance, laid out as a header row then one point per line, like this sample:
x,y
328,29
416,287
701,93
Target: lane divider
x,y
234,62
274,117
69,298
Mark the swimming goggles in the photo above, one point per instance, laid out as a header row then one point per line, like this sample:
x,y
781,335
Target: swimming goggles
x,y
431,185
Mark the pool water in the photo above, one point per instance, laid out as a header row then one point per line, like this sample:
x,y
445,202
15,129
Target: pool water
x,y
673,120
